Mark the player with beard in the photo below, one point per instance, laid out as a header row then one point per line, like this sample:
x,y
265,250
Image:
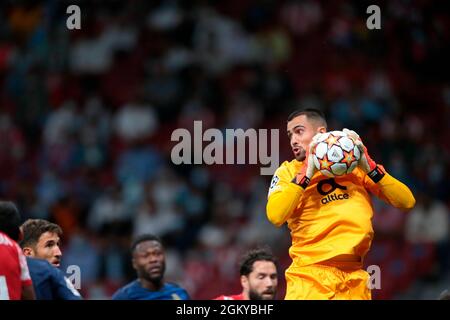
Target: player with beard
x,y
42,240
149,262
259,277
330,238
41,245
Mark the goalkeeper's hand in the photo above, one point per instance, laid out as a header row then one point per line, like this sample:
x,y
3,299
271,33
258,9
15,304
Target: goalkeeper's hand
x,y
365,161
308,169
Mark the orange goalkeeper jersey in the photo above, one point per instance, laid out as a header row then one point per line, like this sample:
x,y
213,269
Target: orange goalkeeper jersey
x,y
332,216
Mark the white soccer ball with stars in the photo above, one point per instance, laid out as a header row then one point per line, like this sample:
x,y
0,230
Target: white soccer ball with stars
x,y
335,154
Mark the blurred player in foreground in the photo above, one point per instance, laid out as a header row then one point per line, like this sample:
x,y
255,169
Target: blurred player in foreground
x,y
149,262
41,244
15,280
329,238
259,277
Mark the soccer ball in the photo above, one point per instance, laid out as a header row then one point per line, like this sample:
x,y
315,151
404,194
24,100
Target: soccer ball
x,y
335,154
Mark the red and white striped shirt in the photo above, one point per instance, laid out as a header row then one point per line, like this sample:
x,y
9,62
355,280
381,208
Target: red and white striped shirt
x,y
14,274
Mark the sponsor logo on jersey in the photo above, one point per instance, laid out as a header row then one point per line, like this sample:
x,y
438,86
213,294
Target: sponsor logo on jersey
x,y
327,186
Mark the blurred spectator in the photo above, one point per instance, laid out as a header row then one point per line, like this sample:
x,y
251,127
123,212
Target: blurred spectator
x,y
49,189
135,121
301,17
108,213
12,144
163,88
61,124
220,41
429,222
93,53
137,164
155,219
388,221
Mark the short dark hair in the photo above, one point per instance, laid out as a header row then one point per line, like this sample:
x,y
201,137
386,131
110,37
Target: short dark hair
x,y
33,229
143,238
310,113
250,257
10,220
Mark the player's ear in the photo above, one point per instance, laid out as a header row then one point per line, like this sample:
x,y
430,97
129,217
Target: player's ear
x,y
321,129
27,251
133,262
244,282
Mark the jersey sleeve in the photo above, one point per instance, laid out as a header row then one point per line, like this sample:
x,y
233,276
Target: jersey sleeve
x,y
62,287
25,277
283,196
391,191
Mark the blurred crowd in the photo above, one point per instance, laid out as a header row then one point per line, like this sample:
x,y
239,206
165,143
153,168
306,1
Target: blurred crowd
x,y
86,118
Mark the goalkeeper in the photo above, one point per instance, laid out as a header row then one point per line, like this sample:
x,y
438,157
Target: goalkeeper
x,y
329,238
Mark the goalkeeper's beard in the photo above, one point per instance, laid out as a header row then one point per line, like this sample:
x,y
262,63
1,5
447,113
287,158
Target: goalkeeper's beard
x,y
301,156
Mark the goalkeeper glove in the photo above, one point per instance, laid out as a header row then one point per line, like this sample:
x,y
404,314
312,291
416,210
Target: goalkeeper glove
x,y
367,165
308,169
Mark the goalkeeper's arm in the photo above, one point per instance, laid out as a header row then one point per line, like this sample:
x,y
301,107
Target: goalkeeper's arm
x,y
379,182
285,193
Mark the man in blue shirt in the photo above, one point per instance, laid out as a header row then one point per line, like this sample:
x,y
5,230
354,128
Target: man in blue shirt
x,y
49,282
41,245
149,263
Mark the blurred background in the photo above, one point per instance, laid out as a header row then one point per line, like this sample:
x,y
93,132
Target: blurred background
x,y
86,118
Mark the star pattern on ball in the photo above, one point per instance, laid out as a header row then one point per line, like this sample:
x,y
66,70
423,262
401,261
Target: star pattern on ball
x,y
331,140
325,164
349,157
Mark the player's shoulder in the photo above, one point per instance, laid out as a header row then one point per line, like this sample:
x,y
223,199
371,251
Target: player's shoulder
x,y
289,166
133,285
123,292
40,264
9,250
232,297
288,169
41,270
5,240
284,174
171,286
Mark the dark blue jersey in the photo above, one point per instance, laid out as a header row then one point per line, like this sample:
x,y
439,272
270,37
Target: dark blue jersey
x,y
134,291
49,282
